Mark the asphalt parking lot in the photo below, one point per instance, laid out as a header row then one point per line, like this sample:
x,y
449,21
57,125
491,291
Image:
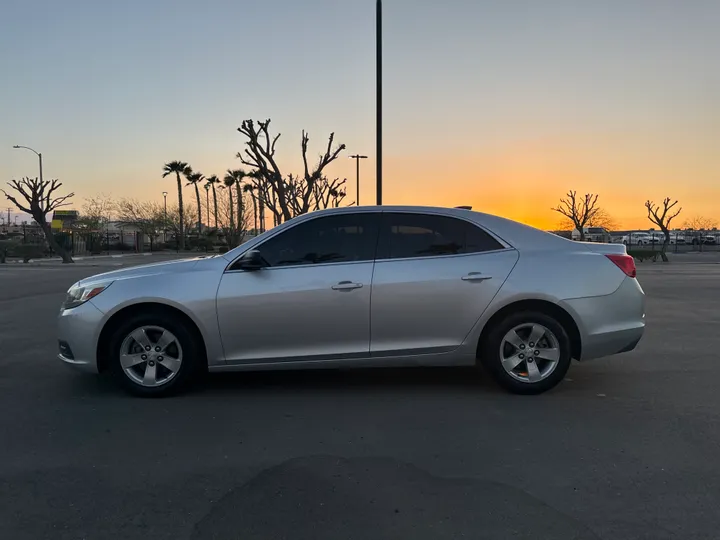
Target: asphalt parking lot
x,y
626,448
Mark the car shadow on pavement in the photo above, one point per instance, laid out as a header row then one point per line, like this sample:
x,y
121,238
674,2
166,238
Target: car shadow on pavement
x,y
362,381
348,381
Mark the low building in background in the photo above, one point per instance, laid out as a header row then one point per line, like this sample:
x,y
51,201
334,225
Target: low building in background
x,y
63,220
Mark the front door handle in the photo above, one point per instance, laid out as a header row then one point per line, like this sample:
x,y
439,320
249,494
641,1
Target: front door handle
x,y
346,286
476,276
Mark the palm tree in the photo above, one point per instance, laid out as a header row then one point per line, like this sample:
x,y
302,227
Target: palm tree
x,y
229,182
211,181
239,175
195,178
260,181
178,167
249,188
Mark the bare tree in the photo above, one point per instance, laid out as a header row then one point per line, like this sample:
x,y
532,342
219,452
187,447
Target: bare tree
x,y
148,217
287,196
700,223
662,216
176,224
233,225
601,218
96,212
578,211
39,198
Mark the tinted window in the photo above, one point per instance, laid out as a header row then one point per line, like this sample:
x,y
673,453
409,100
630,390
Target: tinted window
x,y
420,235
343,238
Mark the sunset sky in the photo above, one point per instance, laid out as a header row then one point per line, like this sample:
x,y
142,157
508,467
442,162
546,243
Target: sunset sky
x,y
503,105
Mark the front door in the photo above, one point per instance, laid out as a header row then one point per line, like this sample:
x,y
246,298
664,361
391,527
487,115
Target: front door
x,y
310,302
434,277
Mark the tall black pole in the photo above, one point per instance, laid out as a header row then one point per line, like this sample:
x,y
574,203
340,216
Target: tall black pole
x,y
378,77
357,158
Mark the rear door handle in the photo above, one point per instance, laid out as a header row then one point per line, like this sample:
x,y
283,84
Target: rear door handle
x,y
476,276
346,286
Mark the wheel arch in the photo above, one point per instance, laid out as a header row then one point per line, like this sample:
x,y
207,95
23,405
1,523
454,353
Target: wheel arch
x,y
543,306
103,354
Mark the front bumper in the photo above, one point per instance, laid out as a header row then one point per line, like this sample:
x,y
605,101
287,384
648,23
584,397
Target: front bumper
x,y
78,331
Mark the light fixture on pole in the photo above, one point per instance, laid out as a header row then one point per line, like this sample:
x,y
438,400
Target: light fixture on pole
x,y
38,154
357,158
378,98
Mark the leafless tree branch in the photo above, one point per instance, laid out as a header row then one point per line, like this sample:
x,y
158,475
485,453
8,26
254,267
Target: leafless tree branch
x,y
579,211
662,216
38,202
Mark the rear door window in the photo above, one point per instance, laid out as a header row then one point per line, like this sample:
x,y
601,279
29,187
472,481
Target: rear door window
x,y
407,235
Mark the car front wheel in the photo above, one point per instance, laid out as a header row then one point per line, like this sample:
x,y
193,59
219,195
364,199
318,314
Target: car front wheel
x,y
527,352
154,355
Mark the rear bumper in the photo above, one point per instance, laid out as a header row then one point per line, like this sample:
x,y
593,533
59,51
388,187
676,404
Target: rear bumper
x,y
77,336
610,324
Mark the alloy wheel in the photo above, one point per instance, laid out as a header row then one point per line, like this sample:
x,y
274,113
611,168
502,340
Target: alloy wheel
x,y
530,352
151,356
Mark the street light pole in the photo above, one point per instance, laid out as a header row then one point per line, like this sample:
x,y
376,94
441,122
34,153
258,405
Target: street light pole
x,y
207,202
378,98
357,158
165,193
38,154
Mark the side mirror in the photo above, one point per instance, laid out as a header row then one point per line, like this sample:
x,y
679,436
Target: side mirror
x,y
251,261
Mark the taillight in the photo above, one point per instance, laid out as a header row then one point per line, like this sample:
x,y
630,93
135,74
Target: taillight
x,y
625,263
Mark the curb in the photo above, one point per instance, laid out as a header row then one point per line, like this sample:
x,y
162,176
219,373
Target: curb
x,y
91,258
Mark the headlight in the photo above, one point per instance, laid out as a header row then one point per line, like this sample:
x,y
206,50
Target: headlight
x,y
80,295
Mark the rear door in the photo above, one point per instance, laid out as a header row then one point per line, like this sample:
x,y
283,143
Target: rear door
x,y
434,276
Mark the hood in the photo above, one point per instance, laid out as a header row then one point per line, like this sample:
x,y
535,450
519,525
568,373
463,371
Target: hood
x,y
179,265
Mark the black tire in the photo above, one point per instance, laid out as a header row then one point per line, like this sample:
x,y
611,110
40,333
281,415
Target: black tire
x,y
490,353
193,357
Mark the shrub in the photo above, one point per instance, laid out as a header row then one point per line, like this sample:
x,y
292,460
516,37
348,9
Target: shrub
x,y
121,246
28,251
200,244
6,247
644,254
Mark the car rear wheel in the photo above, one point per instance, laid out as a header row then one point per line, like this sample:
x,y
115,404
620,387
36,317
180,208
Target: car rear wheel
x,y
527,352
154,355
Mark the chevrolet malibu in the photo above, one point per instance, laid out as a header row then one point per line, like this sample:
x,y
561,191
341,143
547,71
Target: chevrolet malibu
x,y
362,287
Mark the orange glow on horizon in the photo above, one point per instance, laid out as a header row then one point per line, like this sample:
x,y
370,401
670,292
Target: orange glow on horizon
x,y
526,182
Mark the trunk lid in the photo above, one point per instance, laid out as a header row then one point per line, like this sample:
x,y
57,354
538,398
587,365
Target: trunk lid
x,y
606,249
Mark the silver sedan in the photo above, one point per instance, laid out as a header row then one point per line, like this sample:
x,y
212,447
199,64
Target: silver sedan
x,y
362,287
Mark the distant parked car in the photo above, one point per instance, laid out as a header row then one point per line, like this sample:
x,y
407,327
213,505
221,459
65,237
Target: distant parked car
x,y
698,239
592,234
658,238
356,287
637,239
